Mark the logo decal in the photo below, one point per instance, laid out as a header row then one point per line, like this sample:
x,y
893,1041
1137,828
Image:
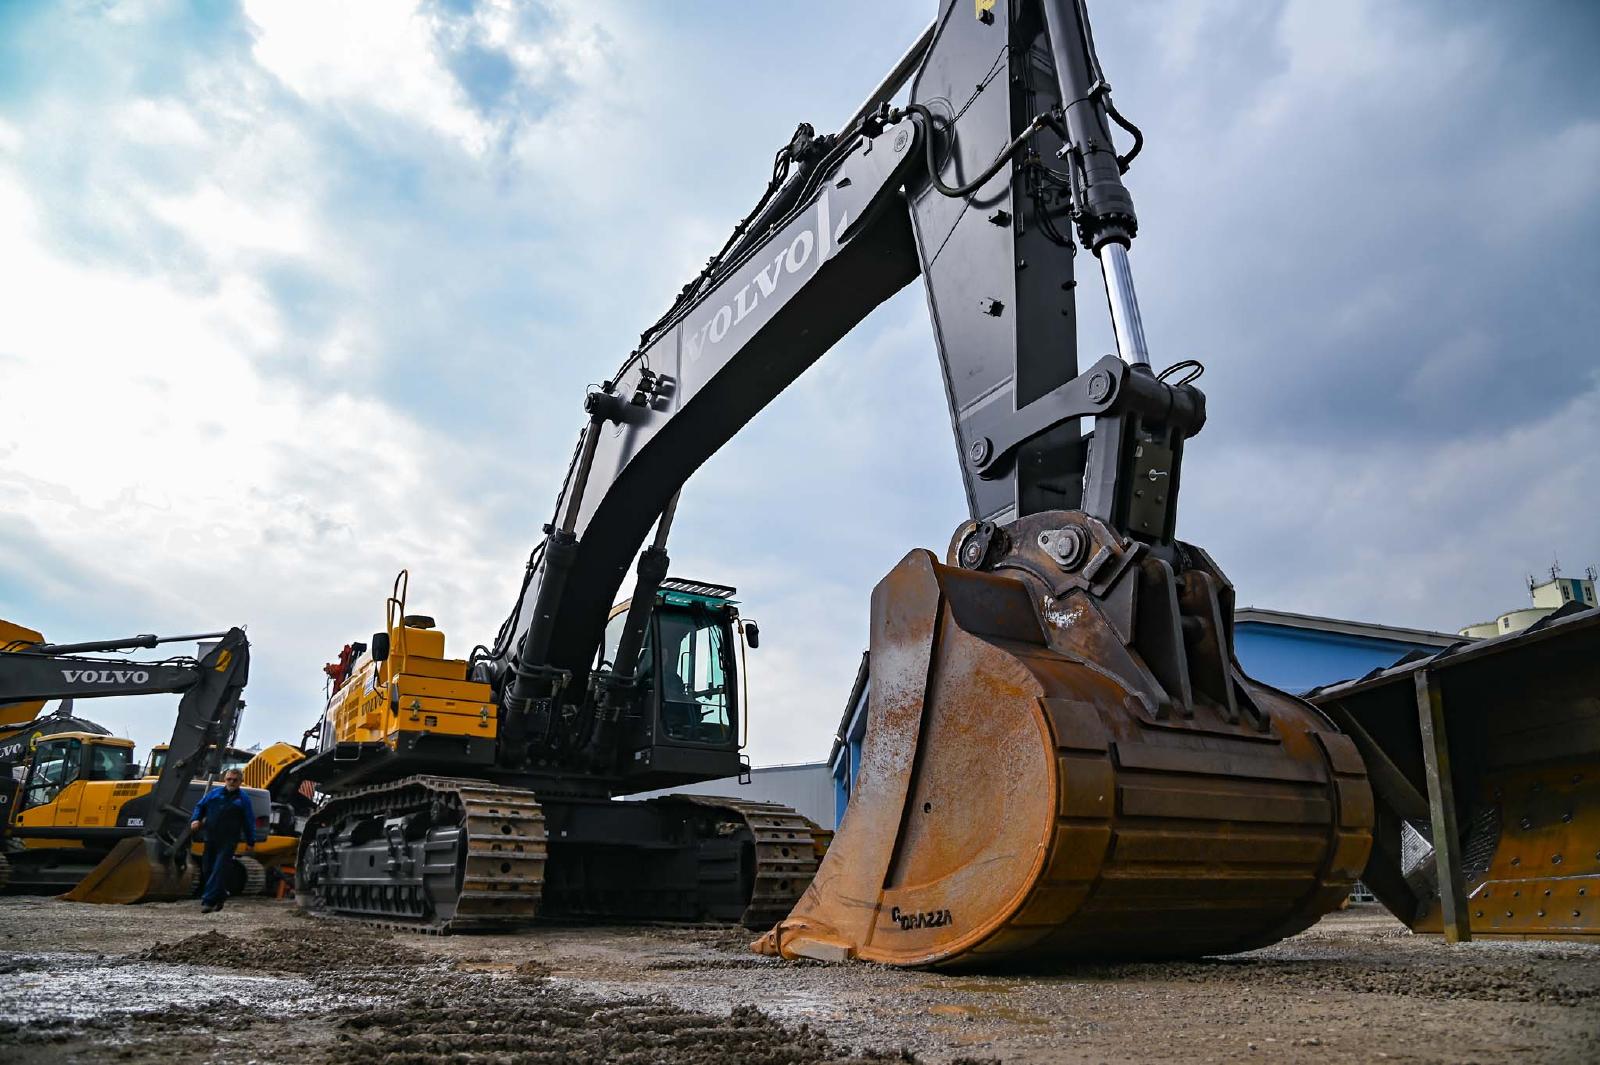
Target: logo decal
x,y
818,242
105,676
925,919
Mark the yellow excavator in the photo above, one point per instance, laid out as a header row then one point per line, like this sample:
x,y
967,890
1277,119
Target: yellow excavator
x,y
1064,758
79,816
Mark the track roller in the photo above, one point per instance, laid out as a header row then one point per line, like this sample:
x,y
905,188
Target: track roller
x,y
429,854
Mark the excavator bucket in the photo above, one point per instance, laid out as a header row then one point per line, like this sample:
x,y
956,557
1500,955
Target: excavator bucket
x,y
1485,762
135,871
1022,797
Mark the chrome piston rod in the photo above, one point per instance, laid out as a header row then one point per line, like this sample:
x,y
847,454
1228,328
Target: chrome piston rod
x,y
1124,304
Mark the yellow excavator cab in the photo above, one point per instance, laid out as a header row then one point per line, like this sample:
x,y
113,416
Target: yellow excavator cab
x,y
235,758
82,790
82,796
76,779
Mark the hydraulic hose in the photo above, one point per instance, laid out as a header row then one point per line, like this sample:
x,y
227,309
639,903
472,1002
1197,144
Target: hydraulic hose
x,y
1005,156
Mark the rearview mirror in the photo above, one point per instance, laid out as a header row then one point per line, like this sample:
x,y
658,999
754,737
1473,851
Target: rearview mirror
x,y
380,647
752,634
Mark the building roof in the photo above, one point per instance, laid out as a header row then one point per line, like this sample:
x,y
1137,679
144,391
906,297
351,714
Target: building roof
x,y
788,767
850,704
1394,633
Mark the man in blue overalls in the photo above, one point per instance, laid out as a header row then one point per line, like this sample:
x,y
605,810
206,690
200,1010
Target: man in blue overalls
x,y
227,816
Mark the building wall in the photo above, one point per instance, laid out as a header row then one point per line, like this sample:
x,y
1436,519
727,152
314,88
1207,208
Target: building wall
x,y
1548,597
807,787
1297,659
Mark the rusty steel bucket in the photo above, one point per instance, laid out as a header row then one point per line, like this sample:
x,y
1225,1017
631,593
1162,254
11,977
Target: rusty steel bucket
x,y
135,871
1485,760
1029,789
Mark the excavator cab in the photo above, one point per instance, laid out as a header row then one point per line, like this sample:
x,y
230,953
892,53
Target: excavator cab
x,y
233,758
61,761
685,717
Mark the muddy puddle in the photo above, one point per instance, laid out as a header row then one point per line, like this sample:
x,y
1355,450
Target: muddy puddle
x,y
327,997
58,987
157,985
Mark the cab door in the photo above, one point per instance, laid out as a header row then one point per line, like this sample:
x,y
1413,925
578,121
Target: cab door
x,y
52,792
102,785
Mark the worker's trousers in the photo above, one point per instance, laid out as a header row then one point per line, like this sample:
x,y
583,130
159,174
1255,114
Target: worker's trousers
x,y
214,868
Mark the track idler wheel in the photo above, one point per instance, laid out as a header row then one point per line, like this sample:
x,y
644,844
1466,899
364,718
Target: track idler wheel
x,y
1028,791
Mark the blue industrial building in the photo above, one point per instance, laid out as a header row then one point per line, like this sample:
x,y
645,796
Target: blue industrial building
x,y
1297,652
1294,652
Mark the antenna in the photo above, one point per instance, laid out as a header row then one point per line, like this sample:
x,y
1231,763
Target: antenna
x,y
1591,574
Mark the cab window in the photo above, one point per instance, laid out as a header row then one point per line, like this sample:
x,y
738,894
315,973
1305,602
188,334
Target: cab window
x,y
696,698
608,650
55,765
108,763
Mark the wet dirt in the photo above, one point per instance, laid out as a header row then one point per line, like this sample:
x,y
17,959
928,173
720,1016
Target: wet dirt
x,y
311,949
259,982
551,1025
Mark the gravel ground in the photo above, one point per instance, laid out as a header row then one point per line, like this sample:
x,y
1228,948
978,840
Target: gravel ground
x,y
261,982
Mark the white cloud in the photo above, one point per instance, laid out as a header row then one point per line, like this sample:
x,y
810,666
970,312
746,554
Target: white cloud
x,y
10,137
142,442
160,122
224,224
1435,534
376,54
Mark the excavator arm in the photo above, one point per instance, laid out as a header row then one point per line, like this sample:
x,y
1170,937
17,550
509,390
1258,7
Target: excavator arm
x,y
843,248
43,675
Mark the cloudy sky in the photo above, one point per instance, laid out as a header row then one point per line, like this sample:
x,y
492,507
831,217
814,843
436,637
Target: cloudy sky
x,y
294,294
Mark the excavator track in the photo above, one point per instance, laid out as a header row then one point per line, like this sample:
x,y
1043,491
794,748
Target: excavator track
x,y
254,876
786,855
456,855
